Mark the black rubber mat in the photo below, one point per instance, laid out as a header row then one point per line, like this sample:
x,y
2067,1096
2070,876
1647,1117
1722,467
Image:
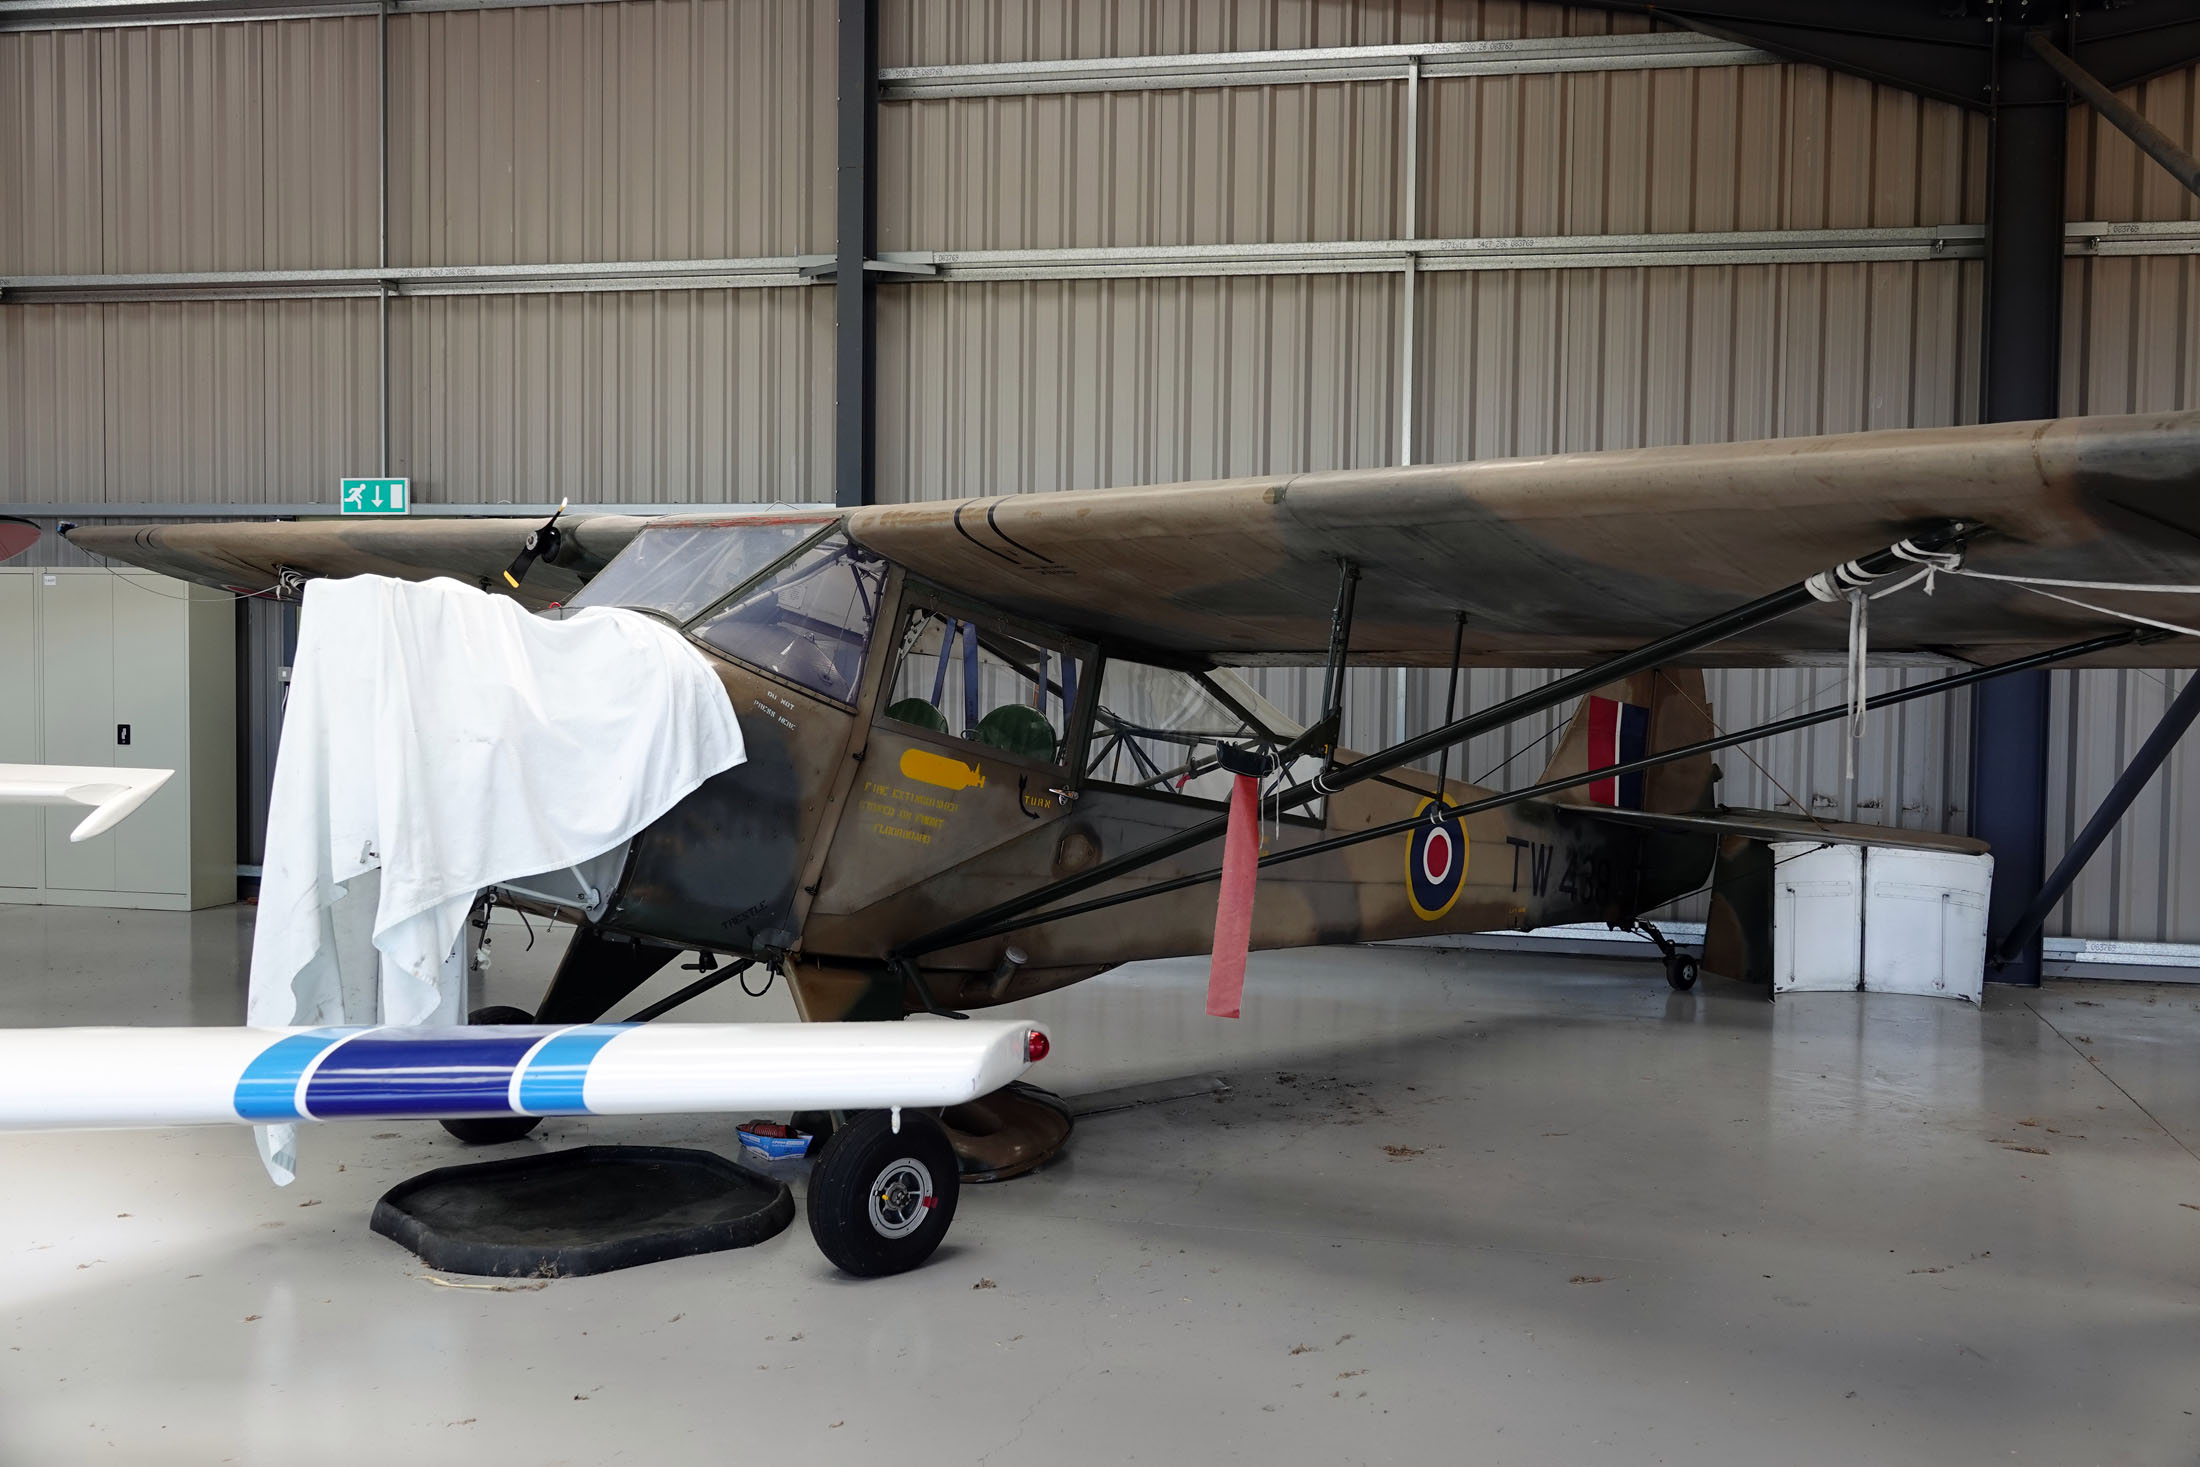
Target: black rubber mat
x,y
589,1210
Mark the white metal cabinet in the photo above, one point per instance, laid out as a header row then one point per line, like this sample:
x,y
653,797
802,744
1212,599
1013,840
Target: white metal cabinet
x,y
85,652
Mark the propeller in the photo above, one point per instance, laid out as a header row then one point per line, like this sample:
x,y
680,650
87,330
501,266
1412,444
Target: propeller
x,y
543,540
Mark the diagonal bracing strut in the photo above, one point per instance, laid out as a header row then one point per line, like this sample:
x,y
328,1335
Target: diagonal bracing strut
x,y
1948,684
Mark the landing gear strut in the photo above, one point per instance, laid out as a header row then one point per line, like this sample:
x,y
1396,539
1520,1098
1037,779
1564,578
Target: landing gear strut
x,y
1680,968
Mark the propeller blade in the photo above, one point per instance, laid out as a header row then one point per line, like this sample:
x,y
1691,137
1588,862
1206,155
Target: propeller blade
x,y
543,540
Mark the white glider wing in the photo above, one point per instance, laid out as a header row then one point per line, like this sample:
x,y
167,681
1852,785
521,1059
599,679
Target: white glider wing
x,y
112,793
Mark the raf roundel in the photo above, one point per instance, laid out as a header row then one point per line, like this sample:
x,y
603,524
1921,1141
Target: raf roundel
x,y
1436,864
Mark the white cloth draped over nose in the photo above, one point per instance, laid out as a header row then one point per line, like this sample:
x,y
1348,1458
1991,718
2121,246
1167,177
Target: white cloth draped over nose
x,y
444,739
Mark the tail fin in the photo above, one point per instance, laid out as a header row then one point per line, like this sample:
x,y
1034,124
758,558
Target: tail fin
x,y
1620,722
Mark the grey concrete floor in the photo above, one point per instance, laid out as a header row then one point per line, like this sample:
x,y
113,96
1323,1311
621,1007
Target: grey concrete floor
x,y
1456,1207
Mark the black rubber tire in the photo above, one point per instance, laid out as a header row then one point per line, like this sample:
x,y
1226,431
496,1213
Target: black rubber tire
x,y
866,1153
493,1130
1681,971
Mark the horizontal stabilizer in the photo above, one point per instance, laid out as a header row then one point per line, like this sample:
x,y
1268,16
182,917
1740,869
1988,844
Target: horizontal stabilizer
x,y
1770,825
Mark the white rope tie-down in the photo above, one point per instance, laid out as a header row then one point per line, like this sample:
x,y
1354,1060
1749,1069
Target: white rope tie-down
x,y
1852,583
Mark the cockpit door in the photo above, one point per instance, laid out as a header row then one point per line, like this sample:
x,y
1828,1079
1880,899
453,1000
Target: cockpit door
x,y
732,867
973,743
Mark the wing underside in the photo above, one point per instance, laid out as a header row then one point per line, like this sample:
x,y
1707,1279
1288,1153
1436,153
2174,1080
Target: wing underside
x,y
1566,559
255,556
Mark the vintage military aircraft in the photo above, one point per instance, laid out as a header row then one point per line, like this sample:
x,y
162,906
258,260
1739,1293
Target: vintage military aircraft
x,y
989,739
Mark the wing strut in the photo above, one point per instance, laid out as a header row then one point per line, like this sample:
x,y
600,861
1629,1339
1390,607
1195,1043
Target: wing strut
x,y
996,919
1948,684
1340,645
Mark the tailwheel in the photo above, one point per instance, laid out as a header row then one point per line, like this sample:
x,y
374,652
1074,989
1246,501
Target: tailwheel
x,y
881,1199
1681,971
1016,1129
491,1130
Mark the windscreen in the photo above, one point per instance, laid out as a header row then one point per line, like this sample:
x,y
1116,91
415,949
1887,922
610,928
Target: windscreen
x,y
678,570
810,623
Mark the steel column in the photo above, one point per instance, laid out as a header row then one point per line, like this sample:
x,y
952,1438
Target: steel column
x,y
2021,371
382,236
855,357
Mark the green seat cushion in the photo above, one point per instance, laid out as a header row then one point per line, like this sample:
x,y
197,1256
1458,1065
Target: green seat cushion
x,y
918,712
1017,729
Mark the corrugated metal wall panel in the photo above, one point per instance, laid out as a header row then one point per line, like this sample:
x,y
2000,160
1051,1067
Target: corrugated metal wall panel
x,y
1544,361
53,363
1015,387
671,397
2110,178
686,129
1710,148
1715,148
319,149
2130,342
620,132
50,162
167,402
946,32
191,148
1222,165
237,401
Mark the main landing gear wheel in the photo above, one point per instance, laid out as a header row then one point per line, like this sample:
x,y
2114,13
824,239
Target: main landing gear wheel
x,y
881,1200
490,1130
1681,971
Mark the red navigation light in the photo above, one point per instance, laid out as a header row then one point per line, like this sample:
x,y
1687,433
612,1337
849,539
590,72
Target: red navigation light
x,y
1035,1046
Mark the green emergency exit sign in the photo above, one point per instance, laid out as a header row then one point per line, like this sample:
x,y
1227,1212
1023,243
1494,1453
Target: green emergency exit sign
x,y
373,496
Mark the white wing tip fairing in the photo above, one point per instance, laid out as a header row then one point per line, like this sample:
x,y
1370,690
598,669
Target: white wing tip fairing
x,y
111,792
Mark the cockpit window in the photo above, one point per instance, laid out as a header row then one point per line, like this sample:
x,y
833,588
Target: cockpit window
x,y
980,681
1156,729
810,623
679,570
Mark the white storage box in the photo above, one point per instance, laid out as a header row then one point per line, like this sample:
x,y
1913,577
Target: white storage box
x,y
1886,919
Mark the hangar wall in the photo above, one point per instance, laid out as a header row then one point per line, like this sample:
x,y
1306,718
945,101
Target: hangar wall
x,y
1532,229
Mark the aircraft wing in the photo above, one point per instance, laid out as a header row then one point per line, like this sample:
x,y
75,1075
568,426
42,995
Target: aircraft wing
x,y
251,556
1566,559
112,793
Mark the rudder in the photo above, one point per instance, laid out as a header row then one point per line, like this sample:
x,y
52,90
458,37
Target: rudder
x,y
1648,713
